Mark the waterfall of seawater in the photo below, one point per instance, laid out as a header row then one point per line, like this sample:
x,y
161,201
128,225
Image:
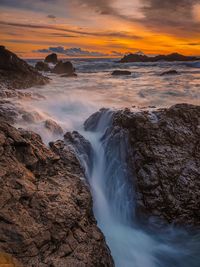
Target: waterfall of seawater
x,y
111,183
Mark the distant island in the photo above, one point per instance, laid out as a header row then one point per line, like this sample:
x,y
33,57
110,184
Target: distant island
x,y
143,58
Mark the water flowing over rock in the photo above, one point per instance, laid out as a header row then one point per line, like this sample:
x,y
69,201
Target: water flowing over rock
x,y
46,214
16,73
166,161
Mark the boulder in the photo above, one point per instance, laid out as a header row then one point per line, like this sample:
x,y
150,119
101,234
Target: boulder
x,y
121,72
65,68
169,72
16,73
46,216
52,58
42,66
164,155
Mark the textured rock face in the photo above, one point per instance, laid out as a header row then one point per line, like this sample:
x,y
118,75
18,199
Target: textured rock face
x,y
144,58
52,58
46,214
165,161
16,73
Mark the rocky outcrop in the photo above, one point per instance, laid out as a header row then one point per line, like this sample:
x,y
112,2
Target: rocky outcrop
x,y
53,127
42,66
46,214
165,161
16,73
121,72
169,72
52,58
65,68
143,58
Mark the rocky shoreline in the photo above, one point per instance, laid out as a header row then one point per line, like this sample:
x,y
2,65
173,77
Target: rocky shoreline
x,y
46,216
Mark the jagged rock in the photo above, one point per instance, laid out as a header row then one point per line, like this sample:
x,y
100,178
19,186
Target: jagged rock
x,y
16,73
53,127
165,145
169,72
46,214
42,66
65,68
52,58
121,72
143,58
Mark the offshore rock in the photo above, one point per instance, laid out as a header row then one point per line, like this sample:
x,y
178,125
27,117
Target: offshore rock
x,y
46,214
52,58
65,68
143,58
121,72
165,161
15,73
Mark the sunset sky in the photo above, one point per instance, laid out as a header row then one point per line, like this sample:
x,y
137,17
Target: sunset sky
x,y
100,28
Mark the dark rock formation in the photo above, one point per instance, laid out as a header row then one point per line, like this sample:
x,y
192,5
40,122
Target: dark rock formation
x,y
65,68
144,58
52,58
169,72
121,72
42,66
46,214
16,73
53,127
166,161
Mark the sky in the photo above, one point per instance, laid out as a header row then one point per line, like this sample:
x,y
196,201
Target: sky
x,y
100,28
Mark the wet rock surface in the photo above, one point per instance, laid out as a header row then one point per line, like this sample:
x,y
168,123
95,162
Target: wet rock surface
x,y
15,73
64,68
121,72
165,161
169,72
46,214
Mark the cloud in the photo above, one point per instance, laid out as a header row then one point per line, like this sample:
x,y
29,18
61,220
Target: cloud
x,y
72,52
172,16
117,34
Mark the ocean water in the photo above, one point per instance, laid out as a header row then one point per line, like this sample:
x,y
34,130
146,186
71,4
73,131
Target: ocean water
x,y
70,101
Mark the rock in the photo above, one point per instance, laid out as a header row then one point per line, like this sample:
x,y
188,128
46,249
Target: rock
x,y
169,72
121,72
53,127
144,58
52,58
65,68
42,66
16,73
46,216
165,160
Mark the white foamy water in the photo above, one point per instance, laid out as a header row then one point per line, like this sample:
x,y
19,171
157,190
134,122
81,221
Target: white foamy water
x,y
70,101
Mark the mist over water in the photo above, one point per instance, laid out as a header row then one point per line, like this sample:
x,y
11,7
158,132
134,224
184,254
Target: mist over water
x,y
70,101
